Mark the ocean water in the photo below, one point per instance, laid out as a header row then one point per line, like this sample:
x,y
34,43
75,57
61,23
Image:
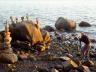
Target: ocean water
x,y
49,11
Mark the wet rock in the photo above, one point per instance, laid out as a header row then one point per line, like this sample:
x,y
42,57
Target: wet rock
x,y
93,40
73,61
58,67
83,68
74,64
1,36
63,24
84,24
54,70
3,50
78,54
64,58
88,63
32,58
48,57
92,55
86,69
66,66
42,70
49,28
23,55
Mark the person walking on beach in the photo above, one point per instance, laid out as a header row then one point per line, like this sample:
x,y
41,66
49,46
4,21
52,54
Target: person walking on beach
x,y
85,50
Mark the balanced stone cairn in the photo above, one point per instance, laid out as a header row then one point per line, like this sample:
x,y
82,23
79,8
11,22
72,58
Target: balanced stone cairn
x,y
12,19
27,17
16,20
22,19
7,38
6,54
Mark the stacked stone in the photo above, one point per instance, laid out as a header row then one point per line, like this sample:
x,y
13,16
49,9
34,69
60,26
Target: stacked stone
x,y
12,19
7,38
7,55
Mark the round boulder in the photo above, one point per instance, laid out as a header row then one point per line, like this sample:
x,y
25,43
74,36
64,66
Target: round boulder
x,y
49,28
9,58
63,24
84,24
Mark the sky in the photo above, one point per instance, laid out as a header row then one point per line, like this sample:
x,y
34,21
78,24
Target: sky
x,y
67,2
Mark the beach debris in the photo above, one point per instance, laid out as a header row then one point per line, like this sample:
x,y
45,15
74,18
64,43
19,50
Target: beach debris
x,y
63,24
84,24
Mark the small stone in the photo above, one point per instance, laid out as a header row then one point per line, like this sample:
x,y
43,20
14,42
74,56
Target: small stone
x,y
32,58
49,28
64,58
84,24
88,63
93,40
23,56
54,70
86,69
74,64
42,70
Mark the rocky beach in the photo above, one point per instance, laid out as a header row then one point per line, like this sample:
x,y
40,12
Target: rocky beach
x,y
61,54
44,35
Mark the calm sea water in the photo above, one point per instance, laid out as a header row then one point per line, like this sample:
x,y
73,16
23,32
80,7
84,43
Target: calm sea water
x,y
48,12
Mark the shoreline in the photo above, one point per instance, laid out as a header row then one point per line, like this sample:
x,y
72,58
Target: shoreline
x,y
63,49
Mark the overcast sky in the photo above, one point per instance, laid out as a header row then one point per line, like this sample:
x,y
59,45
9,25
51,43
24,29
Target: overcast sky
x,y
67,2
47,0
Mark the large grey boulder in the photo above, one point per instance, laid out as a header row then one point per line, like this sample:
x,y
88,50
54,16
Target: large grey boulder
x,y
84,24
65,24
